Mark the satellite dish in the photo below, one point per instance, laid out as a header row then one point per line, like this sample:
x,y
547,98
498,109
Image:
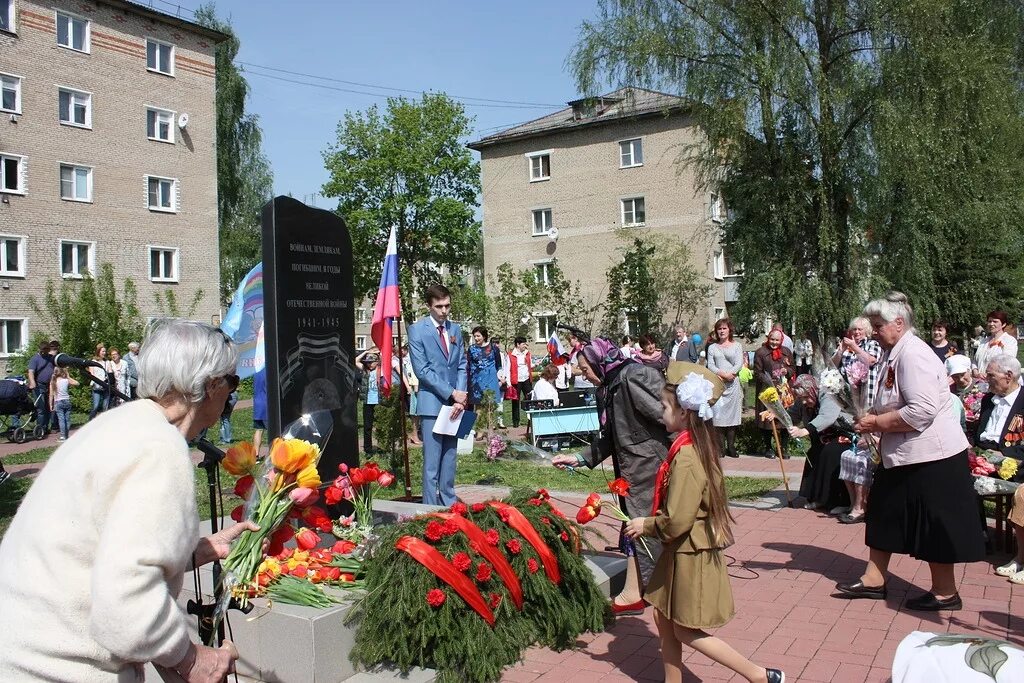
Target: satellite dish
x,y
182,120
525,319
553,234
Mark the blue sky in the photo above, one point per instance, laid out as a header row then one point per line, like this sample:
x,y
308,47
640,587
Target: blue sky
x,y
506,51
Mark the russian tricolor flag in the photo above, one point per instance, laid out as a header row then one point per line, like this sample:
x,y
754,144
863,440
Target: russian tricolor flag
x,y
555,349
385,311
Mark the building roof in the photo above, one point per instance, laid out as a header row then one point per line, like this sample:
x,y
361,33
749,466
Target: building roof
x,y
623,103
148,8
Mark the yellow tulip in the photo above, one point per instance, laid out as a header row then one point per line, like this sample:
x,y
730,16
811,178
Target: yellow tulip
x,y
293,455
240,459
308,477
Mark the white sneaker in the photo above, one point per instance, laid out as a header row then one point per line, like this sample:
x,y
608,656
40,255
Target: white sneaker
x,y
1011,568
1017,578
839,510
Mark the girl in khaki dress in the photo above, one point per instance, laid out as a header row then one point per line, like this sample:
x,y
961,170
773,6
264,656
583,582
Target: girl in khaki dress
x,y
690,585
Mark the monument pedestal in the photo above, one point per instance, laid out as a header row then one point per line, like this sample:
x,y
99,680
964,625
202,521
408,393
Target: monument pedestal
x,y
294,644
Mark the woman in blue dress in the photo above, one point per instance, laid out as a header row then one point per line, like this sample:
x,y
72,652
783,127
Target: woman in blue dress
x,y
484,362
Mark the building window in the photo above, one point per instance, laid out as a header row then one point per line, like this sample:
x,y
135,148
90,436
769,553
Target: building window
x,y
360,315
633,211
12,256
76,258
542,221
540,165
72,32
13,336
159,57
360,342
161,193
75,108
719,313
160,125
7,15
544,272
631,153
10,92
163,264
716,209
75,183
545,326
12,174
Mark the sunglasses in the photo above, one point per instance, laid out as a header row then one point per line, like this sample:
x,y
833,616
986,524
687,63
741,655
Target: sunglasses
x,y
232,381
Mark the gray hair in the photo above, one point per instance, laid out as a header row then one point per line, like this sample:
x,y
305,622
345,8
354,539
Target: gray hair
x,y
891,306
133,347
1004,362
180,356
861,323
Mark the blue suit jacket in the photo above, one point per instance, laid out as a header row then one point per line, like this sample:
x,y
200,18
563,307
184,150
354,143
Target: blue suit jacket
x,y
438,376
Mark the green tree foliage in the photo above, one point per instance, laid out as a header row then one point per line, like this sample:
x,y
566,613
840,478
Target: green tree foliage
x,y
632,291
516,296
839,134
406,167
84,313
244,178
167,304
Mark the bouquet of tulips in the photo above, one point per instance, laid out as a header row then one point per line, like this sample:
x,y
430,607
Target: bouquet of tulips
x,y
591,509
358,485
287,477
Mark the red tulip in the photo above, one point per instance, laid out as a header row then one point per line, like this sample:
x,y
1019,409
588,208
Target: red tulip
x,y
283,534
236,514
243,486
303,497
331,573
343,547
620,487
306,539
332,495
386,479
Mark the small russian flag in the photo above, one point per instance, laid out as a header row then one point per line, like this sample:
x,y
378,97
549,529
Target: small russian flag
x,y
385,311
555,349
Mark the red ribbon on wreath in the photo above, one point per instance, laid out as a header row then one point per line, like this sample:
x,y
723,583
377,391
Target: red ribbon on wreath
x,y
497,559
520,524
432,559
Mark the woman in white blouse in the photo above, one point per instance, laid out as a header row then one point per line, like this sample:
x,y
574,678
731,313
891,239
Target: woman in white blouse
x,y
544,389
998,341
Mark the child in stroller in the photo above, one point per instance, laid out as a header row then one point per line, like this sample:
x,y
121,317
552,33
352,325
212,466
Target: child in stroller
x,y
18,411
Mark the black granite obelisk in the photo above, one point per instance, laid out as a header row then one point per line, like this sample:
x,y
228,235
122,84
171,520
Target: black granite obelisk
x,y
309,324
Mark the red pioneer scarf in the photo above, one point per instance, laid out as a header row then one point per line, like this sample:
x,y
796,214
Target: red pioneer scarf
x,y
661,481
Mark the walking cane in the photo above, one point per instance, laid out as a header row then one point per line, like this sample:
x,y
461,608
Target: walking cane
x,y
778,454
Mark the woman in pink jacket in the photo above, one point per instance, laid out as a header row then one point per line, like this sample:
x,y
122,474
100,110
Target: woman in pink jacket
x,y
922,502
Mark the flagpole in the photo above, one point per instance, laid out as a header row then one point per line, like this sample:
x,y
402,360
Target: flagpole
x,y
401,402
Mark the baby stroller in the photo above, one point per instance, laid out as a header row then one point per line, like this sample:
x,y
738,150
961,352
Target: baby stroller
x,y
18,412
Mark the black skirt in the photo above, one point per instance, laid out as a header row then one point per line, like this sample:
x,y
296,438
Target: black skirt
x,y
926,510
820,482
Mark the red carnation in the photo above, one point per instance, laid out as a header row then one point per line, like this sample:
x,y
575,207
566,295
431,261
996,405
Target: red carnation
x,y
435,597
494,601
478,507
514,546
483,572
450,528
492,537
546,520
564,536
543,493
504,515
461,561
535,501
532,565
459,509
434,531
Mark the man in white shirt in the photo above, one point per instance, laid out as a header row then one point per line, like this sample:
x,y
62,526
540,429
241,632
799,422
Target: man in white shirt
x,y
679,343
1001,418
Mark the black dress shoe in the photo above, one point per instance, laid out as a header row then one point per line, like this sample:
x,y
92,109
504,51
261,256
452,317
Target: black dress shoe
x,y
775,676
857,590
929,603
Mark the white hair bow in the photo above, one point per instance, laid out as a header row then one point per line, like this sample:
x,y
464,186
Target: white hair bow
x,y
694,392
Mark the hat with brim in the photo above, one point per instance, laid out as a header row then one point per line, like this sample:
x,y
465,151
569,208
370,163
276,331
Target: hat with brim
x,y
958,364
679,370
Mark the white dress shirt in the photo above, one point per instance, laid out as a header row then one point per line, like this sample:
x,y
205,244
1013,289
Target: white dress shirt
x,y
997,420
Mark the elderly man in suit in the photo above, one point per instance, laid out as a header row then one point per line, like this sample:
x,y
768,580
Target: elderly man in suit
x,y
1001,418
439,362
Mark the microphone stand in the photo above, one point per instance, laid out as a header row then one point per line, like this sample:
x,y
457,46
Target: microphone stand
x,y
204,612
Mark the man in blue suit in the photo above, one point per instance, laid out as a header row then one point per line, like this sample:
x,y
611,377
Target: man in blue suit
x,y
439,361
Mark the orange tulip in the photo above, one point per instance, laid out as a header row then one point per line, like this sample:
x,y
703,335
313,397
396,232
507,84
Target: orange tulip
x,y
240,459
293,455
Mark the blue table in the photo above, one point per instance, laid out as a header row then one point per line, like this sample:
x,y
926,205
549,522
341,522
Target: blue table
x,y
551,421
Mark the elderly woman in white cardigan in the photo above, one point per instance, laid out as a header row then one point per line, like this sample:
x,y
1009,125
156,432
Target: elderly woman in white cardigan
x,y
93,561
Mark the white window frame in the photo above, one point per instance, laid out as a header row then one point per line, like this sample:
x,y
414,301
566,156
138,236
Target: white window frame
x,y
622,212
530,156
11,17
538,317
90,259
361,315
4,322
718,312
74,93
74,180
715,208
632,149
21,241
5,83
718,264
174,194
546,224
175,262
542,266
156,69
157,112
22,174
86,39
360,342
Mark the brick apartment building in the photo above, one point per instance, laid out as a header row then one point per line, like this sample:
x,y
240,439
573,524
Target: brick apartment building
x,y
107,154
556,189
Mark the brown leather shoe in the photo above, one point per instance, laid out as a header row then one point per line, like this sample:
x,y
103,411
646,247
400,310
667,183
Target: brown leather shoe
x,y
857,590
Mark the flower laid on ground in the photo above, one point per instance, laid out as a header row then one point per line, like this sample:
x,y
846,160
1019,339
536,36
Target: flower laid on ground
x,y
980,465
591,510
495,447
358,485
1008,469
